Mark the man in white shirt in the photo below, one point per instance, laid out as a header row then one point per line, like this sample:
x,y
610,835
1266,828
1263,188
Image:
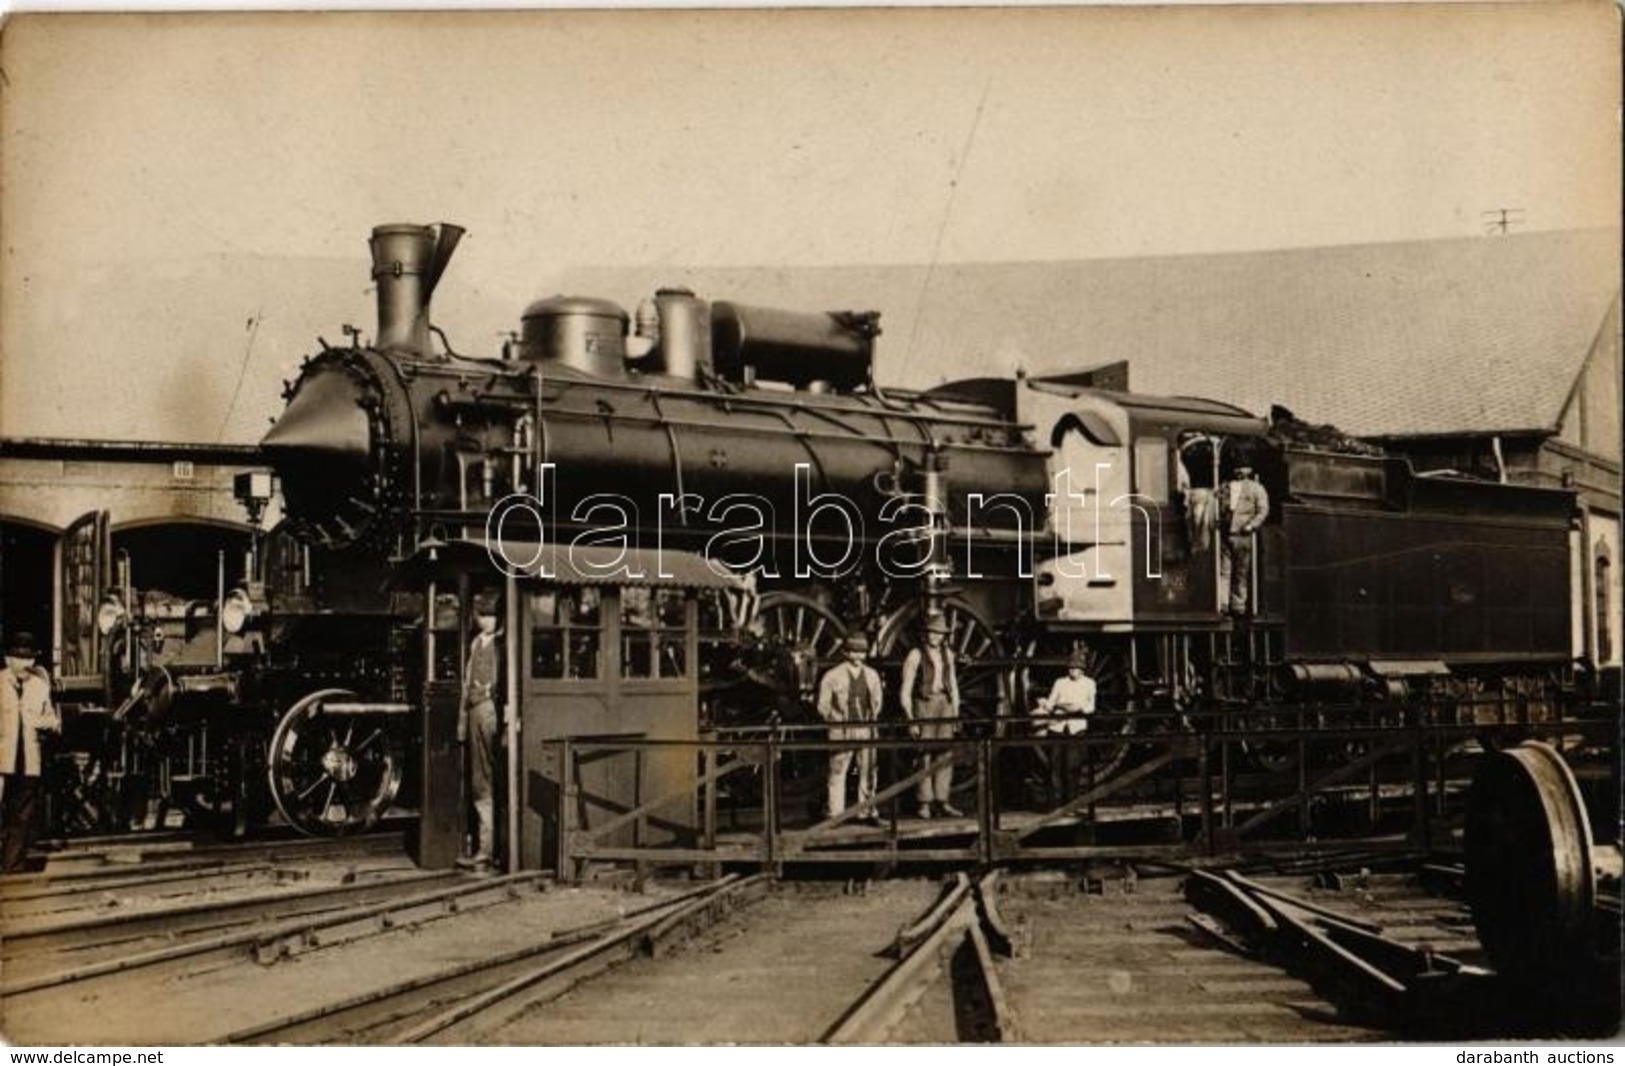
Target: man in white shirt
x,y
25,713
1065,714
849,696
1244,506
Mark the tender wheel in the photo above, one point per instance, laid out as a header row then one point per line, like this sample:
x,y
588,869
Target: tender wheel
x,y
1267,708
333,774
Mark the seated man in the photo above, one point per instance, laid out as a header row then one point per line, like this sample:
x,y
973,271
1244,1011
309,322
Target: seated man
x,y
1065,712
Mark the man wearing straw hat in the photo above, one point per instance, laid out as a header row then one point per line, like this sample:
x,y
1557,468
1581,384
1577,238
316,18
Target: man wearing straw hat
x,y
931,699
25,713
848,693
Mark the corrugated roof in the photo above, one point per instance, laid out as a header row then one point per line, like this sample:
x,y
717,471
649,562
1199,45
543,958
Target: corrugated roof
x,y
1473,335
569,564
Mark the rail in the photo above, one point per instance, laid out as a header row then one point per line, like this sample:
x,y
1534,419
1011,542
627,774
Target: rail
x,y
949,946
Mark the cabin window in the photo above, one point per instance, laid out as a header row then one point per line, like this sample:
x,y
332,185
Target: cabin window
x,y
1151,468
565,633
654,633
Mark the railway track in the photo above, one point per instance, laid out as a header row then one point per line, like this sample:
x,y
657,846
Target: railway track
x,y
432,1005
81,916
1115,952
127,924
260,929
945,961
176,850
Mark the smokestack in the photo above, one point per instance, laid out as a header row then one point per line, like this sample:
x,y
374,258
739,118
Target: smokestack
x,y
407,262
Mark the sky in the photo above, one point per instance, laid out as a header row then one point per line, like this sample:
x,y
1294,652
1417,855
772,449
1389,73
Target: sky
x,y
185,199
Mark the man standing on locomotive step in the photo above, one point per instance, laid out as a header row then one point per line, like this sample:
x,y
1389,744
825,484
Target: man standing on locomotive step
x,y
477,725
1244,506
931,691
25,713
848,693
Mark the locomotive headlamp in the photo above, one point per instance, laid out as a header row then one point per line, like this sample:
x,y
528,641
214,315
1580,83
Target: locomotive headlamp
x,y
254,489
237,610
111,614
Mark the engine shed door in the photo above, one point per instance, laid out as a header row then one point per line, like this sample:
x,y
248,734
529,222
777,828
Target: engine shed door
x,y
86,571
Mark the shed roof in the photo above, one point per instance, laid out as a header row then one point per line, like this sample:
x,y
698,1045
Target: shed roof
x,y
569,564
1481,334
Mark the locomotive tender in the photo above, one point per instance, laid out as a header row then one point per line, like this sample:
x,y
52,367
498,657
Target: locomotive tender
x,y
1042,515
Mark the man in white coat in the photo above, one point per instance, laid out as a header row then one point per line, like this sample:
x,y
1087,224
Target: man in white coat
x,y
25,713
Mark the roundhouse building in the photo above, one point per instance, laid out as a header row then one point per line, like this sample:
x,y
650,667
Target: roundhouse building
x,y
168,510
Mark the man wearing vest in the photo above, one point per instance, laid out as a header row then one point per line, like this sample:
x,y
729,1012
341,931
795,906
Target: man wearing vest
x,y
931,691
1244,506
849,693
25,713
477,725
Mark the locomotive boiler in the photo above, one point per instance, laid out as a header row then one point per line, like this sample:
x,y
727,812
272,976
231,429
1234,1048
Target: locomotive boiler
x,y
756,435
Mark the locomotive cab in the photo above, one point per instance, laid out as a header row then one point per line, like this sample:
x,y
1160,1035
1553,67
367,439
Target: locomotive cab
x,y
1135,486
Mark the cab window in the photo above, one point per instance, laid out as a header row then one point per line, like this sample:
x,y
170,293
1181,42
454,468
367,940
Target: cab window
x,y
1151,468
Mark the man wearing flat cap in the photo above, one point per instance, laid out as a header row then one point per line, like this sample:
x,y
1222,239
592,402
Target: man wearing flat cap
x,y
25,713
477,726
931,700
849,696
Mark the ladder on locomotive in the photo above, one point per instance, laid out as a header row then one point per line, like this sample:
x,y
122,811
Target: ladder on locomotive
x,y
1246,659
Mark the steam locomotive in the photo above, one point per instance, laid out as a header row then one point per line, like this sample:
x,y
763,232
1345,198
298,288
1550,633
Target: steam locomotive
x,y
1041,516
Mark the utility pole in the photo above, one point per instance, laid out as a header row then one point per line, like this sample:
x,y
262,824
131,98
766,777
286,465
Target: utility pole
x,y
1502,219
